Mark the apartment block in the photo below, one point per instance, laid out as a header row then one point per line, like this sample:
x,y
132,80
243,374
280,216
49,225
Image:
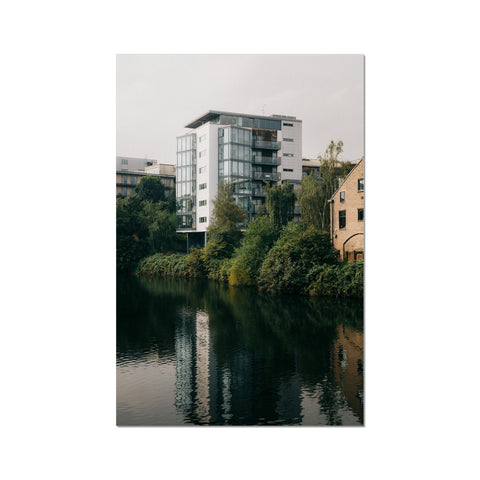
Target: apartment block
x,y
247,151
347,215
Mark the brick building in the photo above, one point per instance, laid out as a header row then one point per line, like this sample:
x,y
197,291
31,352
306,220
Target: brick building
x,y
347,215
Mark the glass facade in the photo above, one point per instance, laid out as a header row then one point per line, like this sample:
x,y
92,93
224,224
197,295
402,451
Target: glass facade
x,y
186,180
248,122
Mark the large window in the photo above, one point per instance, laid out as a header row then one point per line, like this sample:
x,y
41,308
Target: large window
x,y
361,185
342,219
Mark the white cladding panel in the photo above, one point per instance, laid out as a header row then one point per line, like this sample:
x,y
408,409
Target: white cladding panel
x,y
293,148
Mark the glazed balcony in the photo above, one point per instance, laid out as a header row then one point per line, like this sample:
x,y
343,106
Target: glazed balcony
x,y
269,176
266,145
267,160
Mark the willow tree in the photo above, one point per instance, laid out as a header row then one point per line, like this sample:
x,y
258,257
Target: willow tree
x,y
280,204
317,189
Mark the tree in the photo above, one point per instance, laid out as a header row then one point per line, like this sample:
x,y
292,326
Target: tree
x,y
280,204
224,232
151,188
316,191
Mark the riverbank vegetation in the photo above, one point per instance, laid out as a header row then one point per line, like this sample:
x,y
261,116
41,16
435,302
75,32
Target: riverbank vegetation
x,y
275,254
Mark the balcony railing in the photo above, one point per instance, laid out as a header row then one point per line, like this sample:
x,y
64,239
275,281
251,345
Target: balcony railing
x,y
258,192
266,145
271,176
267,160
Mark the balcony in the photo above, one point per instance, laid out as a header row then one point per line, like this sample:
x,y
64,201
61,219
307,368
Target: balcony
x,y
258,192
270,176
266,145
267,160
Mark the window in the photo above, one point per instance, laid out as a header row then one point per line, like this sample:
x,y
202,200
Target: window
x,y
202,203
202,169
202,186
288,154
361,185
124,179
360,214
202,138
342,218
133,180
202,219
288,124
124,161
202,154
288,169
124,191
288,139
342,196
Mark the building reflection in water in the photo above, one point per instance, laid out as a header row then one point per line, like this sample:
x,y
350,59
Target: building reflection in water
x,y
240,391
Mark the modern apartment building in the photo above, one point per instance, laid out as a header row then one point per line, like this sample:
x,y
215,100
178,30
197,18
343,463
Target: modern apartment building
x,y
248,151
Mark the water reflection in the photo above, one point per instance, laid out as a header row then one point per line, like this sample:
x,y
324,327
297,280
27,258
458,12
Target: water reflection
x,y
235,357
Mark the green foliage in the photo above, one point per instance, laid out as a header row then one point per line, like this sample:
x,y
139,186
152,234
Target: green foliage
x,y
287,264
342,280
259,237
280,203
150,188
317,191
161,265
144,227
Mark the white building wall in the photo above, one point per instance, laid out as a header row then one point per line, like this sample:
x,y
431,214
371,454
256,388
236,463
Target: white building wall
x,y
207,160
294,148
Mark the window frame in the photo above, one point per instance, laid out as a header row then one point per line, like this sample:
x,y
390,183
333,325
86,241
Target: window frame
x,y
340,217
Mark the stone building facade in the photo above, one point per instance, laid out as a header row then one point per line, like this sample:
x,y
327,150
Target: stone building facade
x,y
347,215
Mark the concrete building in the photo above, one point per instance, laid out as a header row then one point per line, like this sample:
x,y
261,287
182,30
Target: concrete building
x,y
248,151
347,215
127,179
134,164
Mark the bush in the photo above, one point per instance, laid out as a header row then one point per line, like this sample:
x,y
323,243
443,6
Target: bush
x,y
259,237
343,280
288,263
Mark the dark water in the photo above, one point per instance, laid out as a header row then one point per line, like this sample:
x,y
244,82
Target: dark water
x,y
206,354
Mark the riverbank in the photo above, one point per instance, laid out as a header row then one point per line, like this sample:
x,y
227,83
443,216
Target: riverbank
x,y
341,280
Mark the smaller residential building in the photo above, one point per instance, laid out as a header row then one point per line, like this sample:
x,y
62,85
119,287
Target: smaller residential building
x,y
126,180
347,215
132,164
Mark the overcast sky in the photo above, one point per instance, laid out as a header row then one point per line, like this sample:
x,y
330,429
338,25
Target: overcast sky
x,y
157,95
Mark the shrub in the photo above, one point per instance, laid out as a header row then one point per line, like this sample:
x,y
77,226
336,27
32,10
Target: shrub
x,y
259,237
343,280
287,264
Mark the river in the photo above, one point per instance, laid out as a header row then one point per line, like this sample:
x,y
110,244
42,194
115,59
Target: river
x,y
200,353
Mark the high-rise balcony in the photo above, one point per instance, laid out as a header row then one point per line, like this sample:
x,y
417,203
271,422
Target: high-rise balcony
x,y
266,145
267,160
271,176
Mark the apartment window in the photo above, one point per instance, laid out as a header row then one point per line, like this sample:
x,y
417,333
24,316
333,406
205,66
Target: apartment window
x,y
361,185
133,180
202,169
342,218
360,214
124,161
288,139
124,179
124,191
288,124
288,169
202,186
202,219
342,196
202,154
288,154
202,203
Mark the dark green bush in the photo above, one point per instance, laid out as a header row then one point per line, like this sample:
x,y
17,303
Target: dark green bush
x,y
287,264
342,280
